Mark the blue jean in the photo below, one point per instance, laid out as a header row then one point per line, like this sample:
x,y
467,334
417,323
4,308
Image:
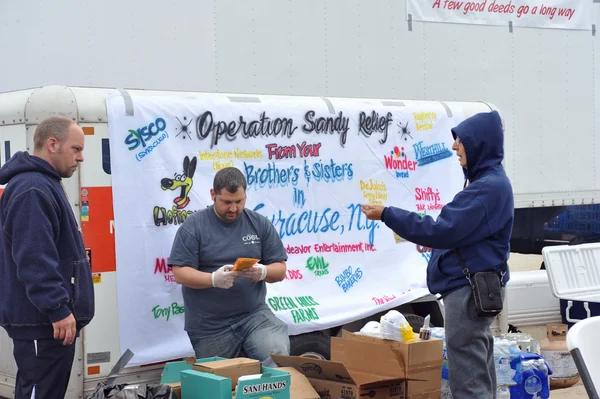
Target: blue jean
x,y
257,336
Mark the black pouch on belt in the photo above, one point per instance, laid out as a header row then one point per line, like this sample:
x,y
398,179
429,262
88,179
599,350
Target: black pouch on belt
x,y
487,289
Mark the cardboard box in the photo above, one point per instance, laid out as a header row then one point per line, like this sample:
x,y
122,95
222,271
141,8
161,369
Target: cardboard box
x,y
332,380
190,359
419,362
229,368
271,384
300,387
437,394
176,389
211,384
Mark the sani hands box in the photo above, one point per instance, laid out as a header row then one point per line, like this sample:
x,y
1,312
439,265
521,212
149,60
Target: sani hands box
x,y
212,379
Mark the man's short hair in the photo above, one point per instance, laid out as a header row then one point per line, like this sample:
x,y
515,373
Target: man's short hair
x,y
230,179
55,126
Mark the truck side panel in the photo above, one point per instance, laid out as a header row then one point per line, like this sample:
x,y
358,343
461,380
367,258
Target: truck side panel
x,y
544,80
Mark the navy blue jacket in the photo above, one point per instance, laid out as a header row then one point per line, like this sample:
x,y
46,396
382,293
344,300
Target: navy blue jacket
x,y
479,219
45,272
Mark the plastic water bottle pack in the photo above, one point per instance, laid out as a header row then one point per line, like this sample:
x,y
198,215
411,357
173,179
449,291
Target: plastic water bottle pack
x,y
507,358
533,382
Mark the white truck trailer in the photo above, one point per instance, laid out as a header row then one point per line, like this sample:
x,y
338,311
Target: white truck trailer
x,y
543,79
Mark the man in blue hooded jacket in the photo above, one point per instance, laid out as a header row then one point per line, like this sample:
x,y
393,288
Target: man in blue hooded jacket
x,y
46,290
478,222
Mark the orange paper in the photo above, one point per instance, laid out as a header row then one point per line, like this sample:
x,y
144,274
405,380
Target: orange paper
x,y
244,263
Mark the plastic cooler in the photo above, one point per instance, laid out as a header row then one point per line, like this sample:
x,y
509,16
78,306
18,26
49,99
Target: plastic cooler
x,y
530,300
574,275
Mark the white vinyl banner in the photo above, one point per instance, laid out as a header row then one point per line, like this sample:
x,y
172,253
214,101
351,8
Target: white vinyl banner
x,y
309,164
559,14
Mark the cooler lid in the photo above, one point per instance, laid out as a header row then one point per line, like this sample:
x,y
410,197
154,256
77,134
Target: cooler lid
x,y
574,271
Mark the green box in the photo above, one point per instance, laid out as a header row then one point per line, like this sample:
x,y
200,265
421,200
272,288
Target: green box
x,y
272,384
172,371
198,385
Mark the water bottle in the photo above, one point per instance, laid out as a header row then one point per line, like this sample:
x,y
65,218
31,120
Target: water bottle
x,y
504,353
503,392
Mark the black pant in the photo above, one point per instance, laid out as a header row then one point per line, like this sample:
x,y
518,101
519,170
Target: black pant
x,y
43,364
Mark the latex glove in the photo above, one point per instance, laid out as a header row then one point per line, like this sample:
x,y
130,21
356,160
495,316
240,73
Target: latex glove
x,y
256,273
224,277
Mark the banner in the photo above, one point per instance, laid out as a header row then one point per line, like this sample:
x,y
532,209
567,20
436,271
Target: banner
x,y
309,165
559,14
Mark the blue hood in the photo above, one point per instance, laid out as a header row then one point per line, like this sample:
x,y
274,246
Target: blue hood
x,y
22,162
483,139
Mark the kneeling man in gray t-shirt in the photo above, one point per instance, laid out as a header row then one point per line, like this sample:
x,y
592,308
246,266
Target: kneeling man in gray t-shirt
x,y
225,310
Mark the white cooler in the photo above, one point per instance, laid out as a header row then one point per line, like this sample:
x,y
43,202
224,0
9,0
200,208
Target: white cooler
x,y
530,299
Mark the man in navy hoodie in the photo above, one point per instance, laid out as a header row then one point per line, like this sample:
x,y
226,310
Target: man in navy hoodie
x,y
478,222
46,290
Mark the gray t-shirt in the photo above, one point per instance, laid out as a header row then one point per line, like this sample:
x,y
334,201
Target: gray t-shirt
x,y
206,243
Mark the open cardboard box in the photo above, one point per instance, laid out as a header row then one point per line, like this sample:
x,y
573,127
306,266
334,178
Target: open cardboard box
x,y
419,362
333,380
228,368
213,377
300,387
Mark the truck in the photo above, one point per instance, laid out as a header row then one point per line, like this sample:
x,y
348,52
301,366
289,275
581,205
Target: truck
x,y
542,78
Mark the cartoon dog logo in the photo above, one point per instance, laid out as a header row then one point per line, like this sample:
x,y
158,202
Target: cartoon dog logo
x,y
183,181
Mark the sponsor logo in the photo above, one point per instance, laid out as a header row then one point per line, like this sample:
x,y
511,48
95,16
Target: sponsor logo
x,y
251,239
181,184
265,386
426,154
398,161
147,138
318,265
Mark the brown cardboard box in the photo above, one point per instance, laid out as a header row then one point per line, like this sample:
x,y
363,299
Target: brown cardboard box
x,y
230,368
176,388
300,387
419,361
437,394
190,359
333,380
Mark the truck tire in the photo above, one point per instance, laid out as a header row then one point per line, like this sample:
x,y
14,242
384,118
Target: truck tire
x,y
316,345
415,321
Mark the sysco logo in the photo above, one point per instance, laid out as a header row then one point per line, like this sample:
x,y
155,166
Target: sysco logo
x,y
147,138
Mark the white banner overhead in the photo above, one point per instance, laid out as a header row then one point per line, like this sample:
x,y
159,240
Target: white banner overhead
x,y
558,14
309,165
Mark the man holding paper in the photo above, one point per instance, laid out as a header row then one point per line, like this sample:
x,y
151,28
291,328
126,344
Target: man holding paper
x,y
225,310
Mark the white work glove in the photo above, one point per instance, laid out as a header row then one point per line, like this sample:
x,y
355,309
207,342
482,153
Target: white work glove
x,y
256,273
224,277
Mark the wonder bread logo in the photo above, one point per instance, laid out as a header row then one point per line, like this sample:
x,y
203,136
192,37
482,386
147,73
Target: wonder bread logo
x,y
264,387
